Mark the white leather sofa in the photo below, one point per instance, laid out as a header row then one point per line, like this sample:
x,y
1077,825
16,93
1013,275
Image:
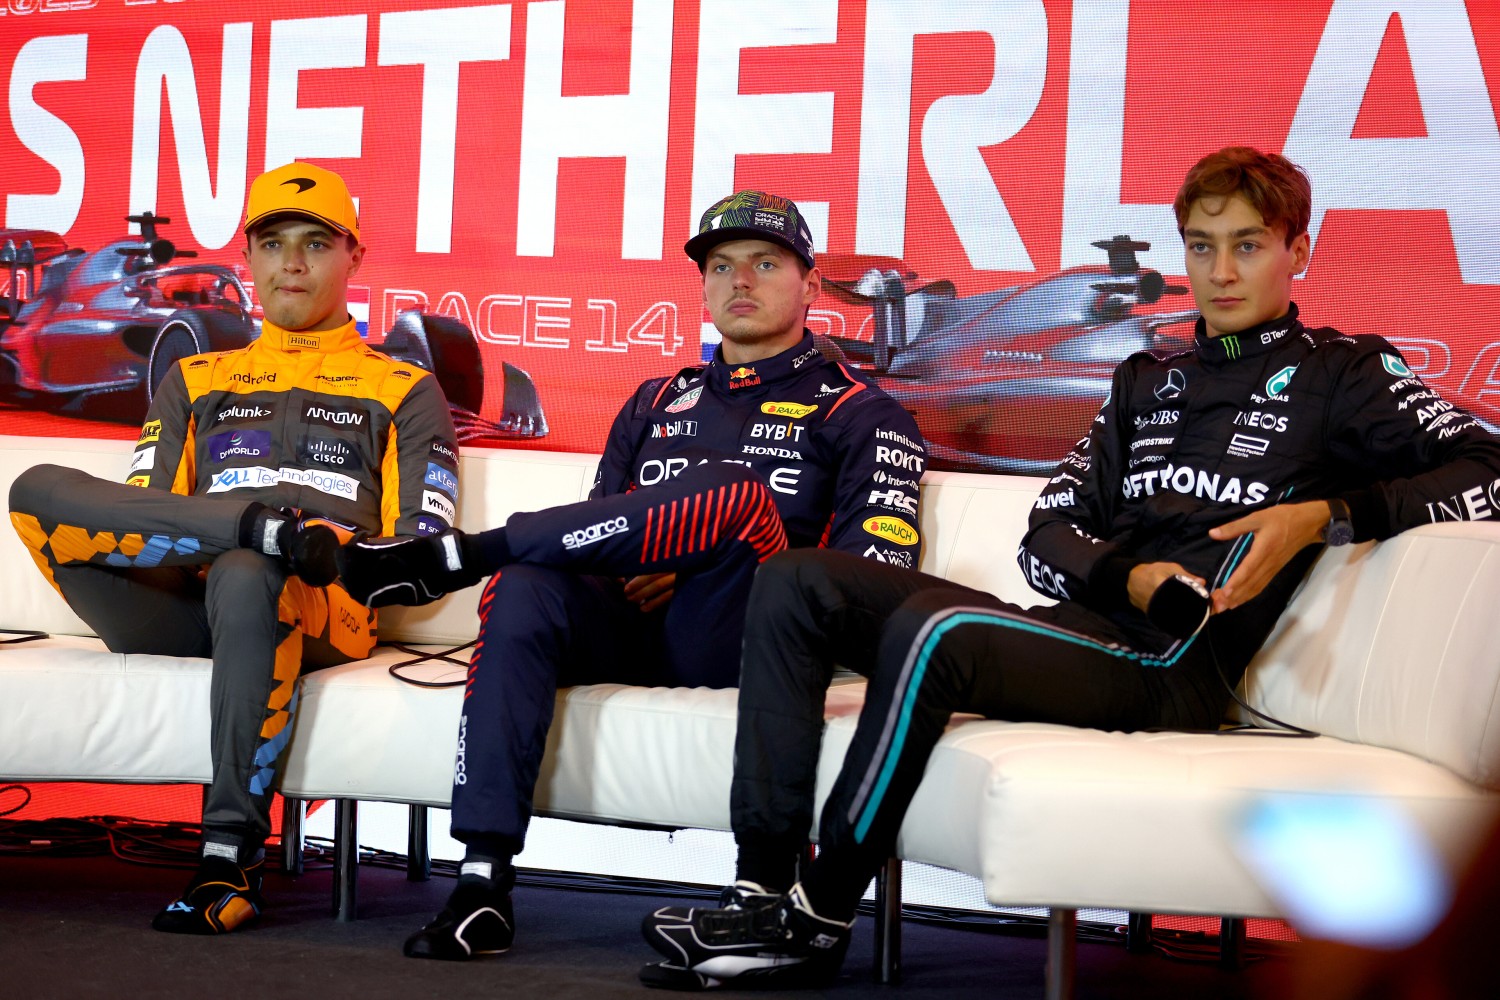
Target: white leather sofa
x,y
1391,651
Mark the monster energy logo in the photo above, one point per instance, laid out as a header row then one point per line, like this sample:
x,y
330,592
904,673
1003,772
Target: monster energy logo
x,y
1231,346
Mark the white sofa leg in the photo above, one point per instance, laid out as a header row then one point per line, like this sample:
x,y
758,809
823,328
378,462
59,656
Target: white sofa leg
x,y
1062,952
888,923
293,815
345,859
418,858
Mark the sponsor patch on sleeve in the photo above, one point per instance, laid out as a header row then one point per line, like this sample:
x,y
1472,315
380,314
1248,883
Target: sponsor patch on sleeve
x,y
138,481
892,529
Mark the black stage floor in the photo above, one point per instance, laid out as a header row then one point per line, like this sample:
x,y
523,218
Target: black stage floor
x,y
79,927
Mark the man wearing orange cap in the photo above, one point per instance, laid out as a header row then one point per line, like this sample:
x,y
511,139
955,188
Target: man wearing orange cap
x,y
220,543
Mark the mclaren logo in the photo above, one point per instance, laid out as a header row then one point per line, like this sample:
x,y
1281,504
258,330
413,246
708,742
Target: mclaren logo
x,y
302,184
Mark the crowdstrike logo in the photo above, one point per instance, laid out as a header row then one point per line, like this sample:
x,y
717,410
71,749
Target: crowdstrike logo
x,y
594,533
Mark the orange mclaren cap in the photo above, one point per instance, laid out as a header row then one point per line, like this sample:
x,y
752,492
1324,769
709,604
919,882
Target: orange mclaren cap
x,y
302,189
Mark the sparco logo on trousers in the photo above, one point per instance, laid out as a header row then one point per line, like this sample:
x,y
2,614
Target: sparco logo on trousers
x,y
459,775
594,533
331,417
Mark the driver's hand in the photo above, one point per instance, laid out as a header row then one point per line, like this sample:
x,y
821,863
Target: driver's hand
x,y
1146,577
651,590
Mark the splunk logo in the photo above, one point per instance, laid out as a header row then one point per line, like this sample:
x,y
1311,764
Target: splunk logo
x,y
594,533
460,770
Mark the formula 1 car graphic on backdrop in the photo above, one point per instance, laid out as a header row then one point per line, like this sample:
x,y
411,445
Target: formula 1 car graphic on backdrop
x,y
96,332
1008,380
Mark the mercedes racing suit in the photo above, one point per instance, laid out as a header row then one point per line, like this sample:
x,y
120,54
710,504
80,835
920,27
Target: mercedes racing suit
x,y
705,473
1183,443
319,422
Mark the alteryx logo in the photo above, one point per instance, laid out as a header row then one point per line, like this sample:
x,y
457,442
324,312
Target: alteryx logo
x,y
1395,366
441,478
1276,384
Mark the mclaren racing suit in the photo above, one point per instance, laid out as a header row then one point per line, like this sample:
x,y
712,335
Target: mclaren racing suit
x,y
319,422
1184,443
733,463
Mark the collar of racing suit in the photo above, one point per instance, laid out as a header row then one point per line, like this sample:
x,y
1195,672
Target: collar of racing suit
x,y
1248,342
338,339
724,376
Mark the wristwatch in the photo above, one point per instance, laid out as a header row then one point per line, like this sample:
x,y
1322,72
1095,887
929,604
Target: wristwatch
x,y
1339,530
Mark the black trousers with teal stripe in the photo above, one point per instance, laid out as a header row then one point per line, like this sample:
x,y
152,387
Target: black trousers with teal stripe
x,y
929,648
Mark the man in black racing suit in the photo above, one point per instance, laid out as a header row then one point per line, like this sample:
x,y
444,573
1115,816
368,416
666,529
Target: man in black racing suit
x,y
1207,481
705,474
211,547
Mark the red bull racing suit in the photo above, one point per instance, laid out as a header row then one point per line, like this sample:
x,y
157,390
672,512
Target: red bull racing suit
x,y
1277,413
706,473
318,422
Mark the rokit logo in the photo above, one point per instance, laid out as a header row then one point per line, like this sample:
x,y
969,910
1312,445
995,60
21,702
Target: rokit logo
x,y
594,533
899,459
331,417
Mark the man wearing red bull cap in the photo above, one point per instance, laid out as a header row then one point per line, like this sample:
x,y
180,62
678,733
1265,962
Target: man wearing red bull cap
x,y
211,547
705,474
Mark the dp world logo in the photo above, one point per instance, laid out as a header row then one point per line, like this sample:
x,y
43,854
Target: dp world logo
x,y
1395,366
1276,384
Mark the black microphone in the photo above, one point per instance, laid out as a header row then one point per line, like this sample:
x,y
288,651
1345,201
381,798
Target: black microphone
x,y
1179,607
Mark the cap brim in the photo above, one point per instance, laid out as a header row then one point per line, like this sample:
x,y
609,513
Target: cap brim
x,y
300,213
698,247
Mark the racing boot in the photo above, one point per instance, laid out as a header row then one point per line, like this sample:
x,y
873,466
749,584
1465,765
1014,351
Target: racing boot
x,y
476,920
220,897
779,945
410,570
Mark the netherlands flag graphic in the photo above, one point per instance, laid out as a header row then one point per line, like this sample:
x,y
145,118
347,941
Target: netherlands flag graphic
x,y
359,308
709,336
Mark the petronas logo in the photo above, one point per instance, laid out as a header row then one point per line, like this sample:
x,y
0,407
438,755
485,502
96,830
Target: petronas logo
x,y
1277,383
